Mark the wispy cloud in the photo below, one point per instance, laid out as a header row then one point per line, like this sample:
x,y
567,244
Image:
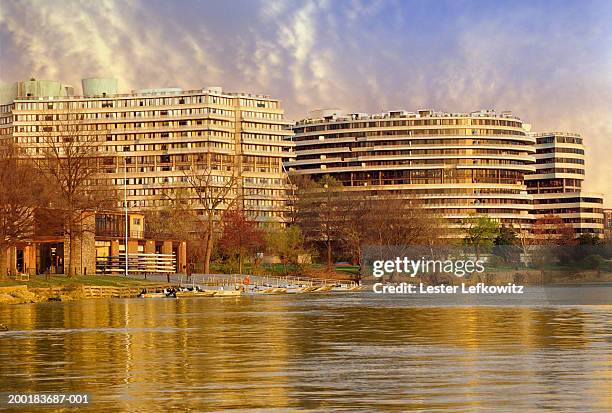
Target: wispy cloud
x,y
549,63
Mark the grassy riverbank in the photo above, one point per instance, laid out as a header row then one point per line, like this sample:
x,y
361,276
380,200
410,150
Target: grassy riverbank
x,y
62,288
61,280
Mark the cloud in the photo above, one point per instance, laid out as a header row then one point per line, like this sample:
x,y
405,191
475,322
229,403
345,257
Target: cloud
x,y
535,59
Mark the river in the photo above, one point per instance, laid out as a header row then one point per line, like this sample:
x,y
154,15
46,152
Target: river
x,y
318,352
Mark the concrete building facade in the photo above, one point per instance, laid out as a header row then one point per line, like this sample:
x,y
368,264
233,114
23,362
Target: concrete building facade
x,y
458,164
155,137
556,184
608,223
480,163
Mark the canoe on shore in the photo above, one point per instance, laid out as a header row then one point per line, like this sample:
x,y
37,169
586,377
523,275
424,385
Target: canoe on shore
x,y
156,295
226,293
205,293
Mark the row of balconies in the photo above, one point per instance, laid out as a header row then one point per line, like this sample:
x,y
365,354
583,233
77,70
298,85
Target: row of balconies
x,y
467,159
518,149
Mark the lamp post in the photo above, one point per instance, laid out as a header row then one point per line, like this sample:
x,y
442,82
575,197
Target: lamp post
x,y
81,246
126,212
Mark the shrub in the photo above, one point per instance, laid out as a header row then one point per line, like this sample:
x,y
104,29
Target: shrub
x,y
594,262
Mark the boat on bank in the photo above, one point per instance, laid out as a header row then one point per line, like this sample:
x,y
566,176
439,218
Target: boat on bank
x,y
227,293
165,293
202,293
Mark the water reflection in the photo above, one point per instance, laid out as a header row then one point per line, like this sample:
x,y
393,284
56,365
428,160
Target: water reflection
x,y
309,352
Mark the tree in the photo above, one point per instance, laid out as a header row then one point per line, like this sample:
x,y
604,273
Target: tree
x,y
287,243
68,158
554,240
505,245
241,237
211,192
553,231
20,196
390,225
320,211
589,240
178,222
480,232
351,218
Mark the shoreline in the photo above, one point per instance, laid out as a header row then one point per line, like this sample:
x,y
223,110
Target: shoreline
x,y
61,288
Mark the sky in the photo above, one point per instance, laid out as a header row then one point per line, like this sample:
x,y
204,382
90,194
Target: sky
x,y
549,62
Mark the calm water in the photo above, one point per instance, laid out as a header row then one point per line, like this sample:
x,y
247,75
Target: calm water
x,y
315,352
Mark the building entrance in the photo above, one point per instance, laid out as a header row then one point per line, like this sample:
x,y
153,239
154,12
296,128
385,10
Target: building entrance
x,y
51,258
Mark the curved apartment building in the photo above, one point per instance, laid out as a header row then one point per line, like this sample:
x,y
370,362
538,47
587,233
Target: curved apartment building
x,y
459,164
557,182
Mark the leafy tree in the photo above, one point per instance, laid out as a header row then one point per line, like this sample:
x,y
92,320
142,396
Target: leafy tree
x,y
553,231
241,237
480,232
594,262
287,243
589,239
587,245
555,239
505,245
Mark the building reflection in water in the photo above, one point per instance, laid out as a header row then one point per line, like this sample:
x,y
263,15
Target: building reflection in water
x,y
307,352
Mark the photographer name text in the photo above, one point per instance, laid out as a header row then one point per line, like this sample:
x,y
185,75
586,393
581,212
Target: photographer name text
x,y
421,288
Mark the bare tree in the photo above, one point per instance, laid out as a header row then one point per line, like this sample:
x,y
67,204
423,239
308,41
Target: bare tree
x,y
211,192
320,211
355,217
177,221
20,195
68,157
390,226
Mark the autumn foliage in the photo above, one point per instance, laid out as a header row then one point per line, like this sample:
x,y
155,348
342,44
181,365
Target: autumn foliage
x,y
241,238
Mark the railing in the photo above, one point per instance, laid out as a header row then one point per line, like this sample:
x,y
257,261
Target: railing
x,y
550,134
137,263
408,115
118,233
97,291
144,94
260,280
